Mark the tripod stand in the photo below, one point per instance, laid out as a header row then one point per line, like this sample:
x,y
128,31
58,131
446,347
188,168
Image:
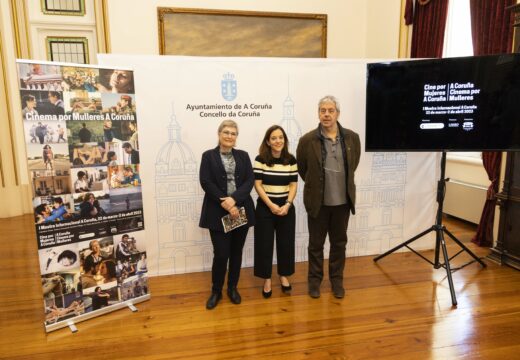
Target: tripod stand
x,y
440,244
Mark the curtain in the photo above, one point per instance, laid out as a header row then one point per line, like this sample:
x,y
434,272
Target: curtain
x,y
491,28
429,22
408,12
484,235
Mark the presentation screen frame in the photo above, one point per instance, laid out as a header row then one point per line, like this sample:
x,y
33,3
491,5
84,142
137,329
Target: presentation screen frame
x,y
451,104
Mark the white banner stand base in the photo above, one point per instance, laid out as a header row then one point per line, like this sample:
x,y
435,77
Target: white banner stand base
x,y
72,326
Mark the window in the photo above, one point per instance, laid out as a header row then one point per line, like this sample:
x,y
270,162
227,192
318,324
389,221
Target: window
x,y
363,223
386,216
457,36
458,42
63,7
68,49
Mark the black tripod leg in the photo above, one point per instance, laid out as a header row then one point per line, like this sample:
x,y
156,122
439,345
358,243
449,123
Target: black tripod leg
x,y
436,262
440,236
464,248
404,244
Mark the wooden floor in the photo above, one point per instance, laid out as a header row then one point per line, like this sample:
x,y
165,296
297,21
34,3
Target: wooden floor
x,y
398,308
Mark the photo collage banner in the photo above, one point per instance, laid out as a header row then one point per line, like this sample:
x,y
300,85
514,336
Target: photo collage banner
x,y
81,136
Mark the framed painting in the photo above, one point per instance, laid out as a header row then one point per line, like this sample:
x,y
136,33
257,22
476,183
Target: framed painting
x,y
204,32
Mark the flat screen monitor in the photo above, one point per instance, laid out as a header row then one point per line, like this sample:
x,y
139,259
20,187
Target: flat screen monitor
x,y
451,104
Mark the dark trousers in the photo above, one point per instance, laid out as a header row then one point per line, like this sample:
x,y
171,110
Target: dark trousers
x,y
227,248
267,224
334,221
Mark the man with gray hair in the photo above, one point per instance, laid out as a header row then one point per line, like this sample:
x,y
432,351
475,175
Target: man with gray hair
x,y
327,158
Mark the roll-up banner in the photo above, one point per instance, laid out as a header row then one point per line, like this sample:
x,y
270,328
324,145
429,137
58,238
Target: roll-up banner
x,y
81,137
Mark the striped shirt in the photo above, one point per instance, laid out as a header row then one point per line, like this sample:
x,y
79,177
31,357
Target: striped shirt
x,y
276,178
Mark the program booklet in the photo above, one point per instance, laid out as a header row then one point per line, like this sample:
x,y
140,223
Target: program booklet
x,y
231,224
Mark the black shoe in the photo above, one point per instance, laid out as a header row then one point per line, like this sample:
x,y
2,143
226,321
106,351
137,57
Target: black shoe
x,y
234,296
267,294
213,300
314,292
286,289
338,292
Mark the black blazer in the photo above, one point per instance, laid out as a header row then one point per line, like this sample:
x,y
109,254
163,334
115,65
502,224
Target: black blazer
x,y
212,178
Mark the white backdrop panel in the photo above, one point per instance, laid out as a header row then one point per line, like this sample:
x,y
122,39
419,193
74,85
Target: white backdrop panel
x,y
396,191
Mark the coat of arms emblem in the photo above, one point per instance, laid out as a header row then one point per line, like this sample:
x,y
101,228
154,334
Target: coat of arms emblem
x,y
228,87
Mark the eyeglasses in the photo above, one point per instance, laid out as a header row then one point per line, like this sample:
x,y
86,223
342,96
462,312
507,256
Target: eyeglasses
x,y
229,133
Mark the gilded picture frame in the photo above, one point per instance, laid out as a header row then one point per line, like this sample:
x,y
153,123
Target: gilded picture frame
x,y
204,32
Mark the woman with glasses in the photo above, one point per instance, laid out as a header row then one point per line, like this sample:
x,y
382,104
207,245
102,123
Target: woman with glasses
x,y
226,176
